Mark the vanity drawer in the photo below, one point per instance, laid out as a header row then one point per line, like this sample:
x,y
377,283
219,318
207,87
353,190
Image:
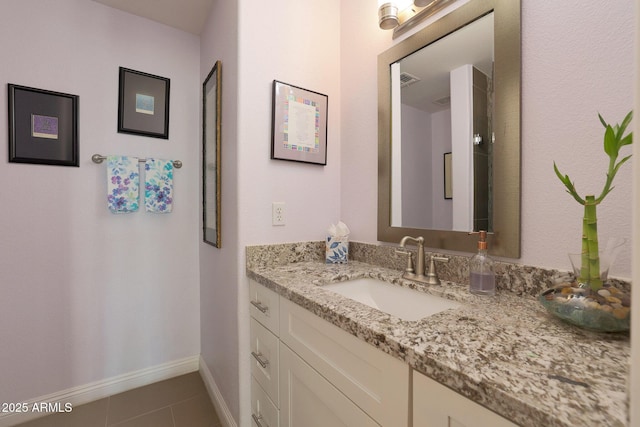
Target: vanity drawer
x,y
264,306
264,358
264,412
373,380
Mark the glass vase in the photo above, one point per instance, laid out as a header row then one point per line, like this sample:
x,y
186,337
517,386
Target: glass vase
x,y
607,309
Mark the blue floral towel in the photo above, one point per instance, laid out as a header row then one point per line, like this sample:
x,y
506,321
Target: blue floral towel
x,y
123,183
158,195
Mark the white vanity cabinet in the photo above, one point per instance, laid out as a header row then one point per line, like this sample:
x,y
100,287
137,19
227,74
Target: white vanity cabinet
x,y
435,405
324,375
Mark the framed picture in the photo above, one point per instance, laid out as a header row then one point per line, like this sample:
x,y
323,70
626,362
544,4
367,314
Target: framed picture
x,y
299,126
143,104
448,189
211,144
43,126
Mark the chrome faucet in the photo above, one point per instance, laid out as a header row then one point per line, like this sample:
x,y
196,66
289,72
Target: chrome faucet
x,y
431,278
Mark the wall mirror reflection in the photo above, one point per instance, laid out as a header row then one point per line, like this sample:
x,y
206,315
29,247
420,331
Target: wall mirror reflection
x,y
211,119
445,94
453,88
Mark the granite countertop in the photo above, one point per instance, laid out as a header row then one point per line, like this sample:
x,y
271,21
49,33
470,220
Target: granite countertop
x,y
504,352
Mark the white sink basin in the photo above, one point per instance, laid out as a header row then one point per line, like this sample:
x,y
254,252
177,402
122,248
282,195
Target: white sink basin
x,y
401,302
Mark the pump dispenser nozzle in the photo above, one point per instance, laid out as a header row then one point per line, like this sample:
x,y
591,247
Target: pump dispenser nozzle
x,y
482,243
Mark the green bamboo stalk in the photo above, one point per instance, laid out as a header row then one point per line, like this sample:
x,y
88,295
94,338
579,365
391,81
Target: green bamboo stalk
x,y
584,259
592,257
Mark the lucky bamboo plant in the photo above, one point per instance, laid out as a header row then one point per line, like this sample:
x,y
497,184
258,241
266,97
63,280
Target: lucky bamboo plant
x,y
614,139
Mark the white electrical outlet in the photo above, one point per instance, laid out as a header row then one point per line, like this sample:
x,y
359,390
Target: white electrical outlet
x,y
278,213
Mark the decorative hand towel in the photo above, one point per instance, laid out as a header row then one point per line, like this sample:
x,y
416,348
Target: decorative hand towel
x,y
158,196
123,183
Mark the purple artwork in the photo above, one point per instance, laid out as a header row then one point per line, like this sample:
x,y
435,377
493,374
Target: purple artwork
x,y
44,126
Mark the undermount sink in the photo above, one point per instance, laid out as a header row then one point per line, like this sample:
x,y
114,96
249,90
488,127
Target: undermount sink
x,y
404,303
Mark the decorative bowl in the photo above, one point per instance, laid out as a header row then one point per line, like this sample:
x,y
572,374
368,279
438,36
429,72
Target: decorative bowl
x,y
607,310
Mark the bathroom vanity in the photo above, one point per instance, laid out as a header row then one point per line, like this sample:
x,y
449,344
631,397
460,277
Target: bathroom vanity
x,y
319,358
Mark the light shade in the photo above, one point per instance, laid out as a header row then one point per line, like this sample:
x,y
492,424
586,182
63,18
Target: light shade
x,y
388,16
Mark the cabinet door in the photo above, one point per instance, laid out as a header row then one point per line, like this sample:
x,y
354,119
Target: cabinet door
x,y
309,400
373,380
435,405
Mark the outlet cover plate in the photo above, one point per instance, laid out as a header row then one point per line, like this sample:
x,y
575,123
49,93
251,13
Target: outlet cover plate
x,y
278,213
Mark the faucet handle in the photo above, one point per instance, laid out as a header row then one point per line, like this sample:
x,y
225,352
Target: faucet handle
x,y
432,276
409,269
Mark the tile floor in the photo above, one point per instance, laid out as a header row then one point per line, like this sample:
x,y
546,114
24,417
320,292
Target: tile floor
x,y
177,402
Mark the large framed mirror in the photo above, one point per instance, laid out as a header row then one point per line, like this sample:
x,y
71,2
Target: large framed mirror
x,y
211,142
453,87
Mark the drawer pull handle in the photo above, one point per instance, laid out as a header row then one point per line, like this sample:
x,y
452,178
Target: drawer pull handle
x,y
257,419
261,360
263,308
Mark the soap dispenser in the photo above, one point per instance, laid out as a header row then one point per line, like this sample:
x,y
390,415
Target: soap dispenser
x,y
482,276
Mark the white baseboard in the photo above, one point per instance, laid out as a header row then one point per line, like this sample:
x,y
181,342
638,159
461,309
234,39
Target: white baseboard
x,y
104,388
216,397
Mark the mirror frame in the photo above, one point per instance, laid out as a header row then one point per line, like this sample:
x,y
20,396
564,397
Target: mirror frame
x,y
211,232
505,239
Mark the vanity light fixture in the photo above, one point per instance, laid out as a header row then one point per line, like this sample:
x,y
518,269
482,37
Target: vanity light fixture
x,y
387,14
400,15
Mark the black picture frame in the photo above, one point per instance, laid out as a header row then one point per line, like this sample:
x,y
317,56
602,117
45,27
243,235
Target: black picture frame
x,y
448,182
307,111
143,104
43,126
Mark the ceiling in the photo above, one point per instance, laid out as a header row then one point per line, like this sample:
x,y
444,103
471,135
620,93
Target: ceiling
x,y
186,15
